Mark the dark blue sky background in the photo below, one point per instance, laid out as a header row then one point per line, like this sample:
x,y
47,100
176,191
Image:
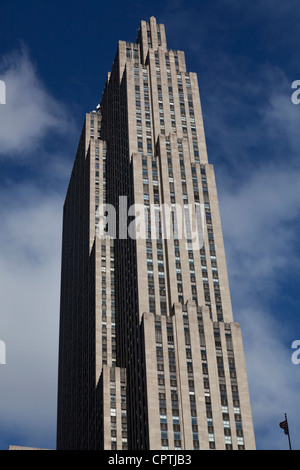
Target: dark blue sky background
x,y
54,57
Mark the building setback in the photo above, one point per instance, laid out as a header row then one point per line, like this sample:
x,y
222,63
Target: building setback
x,y
149,354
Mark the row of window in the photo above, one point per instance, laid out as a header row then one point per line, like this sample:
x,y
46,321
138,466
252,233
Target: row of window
x,y
228,430
160,102
113,410
222,385
175,432
108,310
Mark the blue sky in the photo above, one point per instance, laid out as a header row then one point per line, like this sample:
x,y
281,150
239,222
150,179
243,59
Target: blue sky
x,y
54,57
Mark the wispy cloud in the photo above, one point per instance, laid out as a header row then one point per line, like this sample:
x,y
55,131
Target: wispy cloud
x,y
259,220
259,180
31,113
29,284
33,183
273,378
253,139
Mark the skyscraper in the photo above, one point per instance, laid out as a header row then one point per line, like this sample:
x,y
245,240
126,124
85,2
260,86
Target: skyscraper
x,y
150,356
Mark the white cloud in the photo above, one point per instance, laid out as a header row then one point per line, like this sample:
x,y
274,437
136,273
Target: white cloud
x,y
29,285
259,219
260,223
30,240
259,213
273,378
260,227
30,112
254,141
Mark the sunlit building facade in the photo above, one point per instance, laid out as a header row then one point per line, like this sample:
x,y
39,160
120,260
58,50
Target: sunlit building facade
x,y
150,356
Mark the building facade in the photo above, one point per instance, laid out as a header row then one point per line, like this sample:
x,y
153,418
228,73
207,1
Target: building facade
x,y
150,356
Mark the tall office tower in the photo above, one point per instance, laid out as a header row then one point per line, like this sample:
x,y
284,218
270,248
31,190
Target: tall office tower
x,y
150,357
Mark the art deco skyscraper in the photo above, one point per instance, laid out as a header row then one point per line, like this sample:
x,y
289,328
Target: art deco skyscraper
x,y
150,357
